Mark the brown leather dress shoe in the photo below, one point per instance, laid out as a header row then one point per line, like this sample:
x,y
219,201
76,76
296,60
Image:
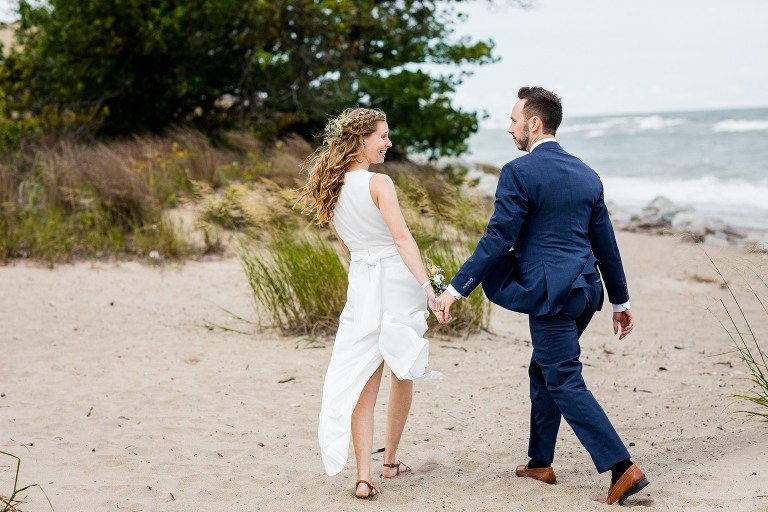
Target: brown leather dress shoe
x,y
631,482
546,475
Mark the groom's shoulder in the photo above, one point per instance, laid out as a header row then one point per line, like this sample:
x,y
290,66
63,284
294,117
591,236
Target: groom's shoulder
x,y
523,163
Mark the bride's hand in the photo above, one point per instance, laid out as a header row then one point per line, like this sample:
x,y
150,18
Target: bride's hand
x,y
432,304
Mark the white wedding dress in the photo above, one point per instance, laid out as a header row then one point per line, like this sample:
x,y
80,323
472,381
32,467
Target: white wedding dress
x,y
384,318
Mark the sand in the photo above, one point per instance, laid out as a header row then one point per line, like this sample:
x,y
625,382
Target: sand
x,y
119,394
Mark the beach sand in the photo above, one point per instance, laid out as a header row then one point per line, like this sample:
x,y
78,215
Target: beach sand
x,y
117,393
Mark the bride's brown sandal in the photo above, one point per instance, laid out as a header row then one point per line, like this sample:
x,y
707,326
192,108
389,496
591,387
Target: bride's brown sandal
x,y
372,491
396,465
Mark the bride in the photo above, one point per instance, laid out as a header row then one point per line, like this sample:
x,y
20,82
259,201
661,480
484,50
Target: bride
x,y
384,318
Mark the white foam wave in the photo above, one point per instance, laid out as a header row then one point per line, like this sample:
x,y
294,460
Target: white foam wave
x,y
737,125
707,189
739,202
657,122
623,125
594,129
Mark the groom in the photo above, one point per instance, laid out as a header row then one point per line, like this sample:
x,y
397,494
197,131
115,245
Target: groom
x,y
545,242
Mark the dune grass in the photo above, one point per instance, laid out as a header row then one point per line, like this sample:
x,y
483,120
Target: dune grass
x,y
12,502
745,333
298,282
73,201
61,201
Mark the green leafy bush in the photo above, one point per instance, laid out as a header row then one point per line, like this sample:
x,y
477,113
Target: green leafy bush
x,y
115,69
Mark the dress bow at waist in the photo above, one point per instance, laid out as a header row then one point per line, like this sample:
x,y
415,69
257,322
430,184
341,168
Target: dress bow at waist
x,y
365,280
373,259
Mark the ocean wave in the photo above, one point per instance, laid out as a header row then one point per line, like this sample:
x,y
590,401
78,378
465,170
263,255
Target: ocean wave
x,y
706,189
657,122
629,125
739,125
597,129
739,202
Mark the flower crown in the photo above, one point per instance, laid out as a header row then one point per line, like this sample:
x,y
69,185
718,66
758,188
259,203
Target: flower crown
x,y
335,126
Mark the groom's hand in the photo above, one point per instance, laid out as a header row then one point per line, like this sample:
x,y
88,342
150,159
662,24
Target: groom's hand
x,y
444,302
623,320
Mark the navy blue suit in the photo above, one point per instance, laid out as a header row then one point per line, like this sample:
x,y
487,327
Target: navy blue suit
x,y
549,207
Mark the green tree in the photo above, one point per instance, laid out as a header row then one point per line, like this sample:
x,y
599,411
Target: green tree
x,y
145,65
276,66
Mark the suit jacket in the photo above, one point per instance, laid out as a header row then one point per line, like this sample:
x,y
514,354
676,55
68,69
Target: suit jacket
x,y
549,207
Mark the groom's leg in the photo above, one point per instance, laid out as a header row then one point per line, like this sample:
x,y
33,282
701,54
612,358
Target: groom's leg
x,y
545,418
556,350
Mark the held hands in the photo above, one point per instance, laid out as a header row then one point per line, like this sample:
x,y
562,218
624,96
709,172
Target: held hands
x,y
439,305
436,309
443,305
623,319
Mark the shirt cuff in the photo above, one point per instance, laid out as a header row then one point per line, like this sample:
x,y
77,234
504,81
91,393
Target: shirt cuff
x,y
452,291
618,308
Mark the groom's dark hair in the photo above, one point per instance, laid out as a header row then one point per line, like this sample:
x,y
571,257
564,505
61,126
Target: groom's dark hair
x,y
543,103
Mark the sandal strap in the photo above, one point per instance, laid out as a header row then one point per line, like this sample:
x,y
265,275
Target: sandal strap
x,y
407,468
372,491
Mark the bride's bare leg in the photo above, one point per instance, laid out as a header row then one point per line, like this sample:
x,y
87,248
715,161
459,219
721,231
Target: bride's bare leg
x,y
400,398
362,429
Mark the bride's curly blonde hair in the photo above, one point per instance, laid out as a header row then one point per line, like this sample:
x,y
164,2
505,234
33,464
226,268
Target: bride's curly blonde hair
x,y
326,167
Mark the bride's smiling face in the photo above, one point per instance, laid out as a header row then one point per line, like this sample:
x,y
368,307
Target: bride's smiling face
x,y
376,144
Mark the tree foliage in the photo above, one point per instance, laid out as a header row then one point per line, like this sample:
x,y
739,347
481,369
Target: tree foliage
x,y
134,66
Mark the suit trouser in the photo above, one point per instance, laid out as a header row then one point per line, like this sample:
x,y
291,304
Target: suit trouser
x,y
558,388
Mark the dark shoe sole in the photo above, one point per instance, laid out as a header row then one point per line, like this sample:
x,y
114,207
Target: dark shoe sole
x,y
634,490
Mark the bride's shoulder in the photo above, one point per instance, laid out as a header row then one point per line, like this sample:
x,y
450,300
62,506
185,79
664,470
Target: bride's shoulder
x,y
380,176
381,180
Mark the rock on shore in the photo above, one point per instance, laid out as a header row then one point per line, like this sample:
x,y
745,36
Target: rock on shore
x,y
662,216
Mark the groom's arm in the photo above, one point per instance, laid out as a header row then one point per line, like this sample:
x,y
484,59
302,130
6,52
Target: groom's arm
x,y
606,250
509,212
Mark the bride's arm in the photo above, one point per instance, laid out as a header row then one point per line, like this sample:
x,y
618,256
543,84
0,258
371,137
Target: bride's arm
x,y
385,197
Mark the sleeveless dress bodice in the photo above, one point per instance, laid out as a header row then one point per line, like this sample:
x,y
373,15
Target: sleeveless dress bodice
x,y
357,219
383,319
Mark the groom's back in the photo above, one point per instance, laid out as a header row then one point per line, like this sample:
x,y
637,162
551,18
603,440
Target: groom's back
x,y
562,194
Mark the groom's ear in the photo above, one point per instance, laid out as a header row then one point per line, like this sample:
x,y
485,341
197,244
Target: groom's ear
x,y
534,122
